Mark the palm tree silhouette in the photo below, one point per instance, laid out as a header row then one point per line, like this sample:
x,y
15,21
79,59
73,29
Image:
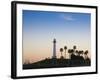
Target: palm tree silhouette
x,y
85,53
71,51
82,52
74,48
76,52
79,53
65,48
61,50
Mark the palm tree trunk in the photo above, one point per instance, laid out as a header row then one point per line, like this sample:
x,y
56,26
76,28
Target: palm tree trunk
x,y
61,54
65,54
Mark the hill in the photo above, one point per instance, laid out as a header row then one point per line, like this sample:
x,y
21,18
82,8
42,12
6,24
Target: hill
x,y
56,63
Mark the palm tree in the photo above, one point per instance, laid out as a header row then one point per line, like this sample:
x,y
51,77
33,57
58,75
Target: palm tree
x,y
80,52
85,53
65,48
76,52
70,51
74,48
61,50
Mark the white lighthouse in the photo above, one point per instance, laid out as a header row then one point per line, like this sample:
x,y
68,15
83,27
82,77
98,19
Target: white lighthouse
x,y
54,48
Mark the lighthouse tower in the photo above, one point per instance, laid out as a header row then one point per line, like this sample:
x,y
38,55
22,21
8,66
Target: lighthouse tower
x,y
54,48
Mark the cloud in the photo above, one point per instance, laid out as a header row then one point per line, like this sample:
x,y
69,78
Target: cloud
x,y
67,17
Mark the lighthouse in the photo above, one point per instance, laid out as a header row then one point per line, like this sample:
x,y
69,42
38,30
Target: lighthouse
x,y
54,48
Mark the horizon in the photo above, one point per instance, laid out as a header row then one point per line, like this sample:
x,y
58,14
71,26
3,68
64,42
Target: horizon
x,y
41,27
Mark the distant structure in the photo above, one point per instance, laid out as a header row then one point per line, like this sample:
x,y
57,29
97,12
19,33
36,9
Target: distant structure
x,y
54,48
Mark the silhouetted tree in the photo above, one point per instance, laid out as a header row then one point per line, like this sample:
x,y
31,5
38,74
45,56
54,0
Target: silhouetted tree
x,y
72,51
85,53
61,50
74,48
69,51
65,48
72,54
79,53
76,52
82,52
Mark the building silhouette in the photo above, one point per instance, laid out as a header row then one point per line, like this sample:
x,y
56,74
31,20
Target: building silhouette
x,y
54,48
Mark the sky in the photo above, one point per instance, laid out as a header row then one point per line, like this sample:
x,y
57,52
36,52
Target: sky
x,y
41,27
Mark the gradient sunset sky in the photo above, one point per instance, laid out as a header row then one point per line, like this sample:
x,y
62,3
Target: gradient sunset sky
x,y
41,27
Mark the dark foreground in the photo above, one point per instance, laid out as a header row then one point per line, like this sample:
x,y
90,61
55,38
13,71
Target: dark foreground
x,y
56,63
